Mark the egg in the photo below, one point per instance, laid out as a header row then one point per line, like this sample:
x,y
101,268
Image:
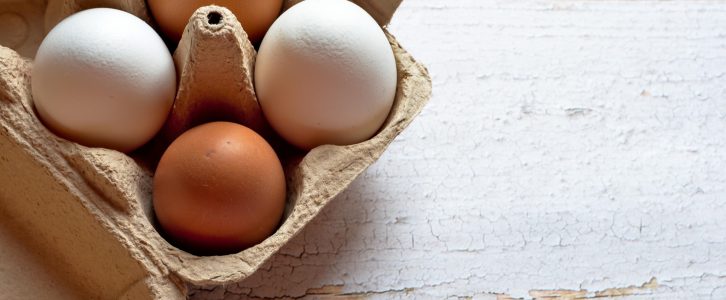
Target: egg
x,y
218,189
325,74
254,15
103,78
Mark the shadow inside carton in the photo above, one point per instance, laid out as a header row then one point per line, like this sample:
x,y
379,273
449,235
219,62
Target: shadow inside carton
x,y
21,25
307,259
30,271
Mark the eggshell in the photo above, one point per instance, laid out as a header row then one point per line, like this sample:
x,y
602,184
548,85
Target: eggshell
x,y
325,74
104,78
256,16
218,189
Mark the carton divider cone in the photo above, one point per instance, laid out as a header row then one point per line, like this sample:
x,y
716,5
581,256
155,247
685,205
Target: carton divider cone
x,y
92,206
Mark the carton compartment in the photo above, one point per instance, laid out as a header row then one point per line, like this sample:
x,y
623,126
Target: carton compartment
x,y
28,269
91,207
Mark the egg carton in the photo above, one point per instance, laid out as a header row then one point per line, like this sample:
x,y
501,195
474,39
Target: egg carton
x,y
89,209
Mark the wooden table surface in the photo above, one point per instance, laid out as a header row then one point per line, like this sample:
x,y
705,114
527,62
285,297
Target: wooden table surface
x,y
571,149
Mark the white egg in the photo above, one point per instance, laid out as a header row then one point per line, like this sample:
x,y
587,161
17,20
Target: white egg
x,y
104,78
325,74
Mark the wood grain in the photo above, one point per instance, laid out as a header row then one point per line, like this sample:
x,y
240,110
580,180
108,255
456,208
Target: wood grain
x,y
572,149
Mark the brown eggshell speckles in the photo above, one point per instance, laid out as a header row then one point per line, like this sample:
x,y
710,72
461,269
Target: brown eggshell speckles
x,y
101,216
219,189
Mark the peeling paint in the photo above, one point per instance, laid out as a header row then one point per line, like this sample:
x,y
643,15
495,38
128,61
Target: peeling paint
x,y
498,190
337,292
644,289
577,111
326,290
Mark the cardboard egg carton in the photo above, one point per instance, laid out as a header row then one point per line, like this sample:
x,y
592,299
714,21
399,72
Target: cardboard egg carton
x,y
89,209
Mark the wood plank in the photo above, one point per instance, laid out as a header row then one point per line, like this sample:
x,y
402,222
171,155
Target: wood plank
x,y
572,148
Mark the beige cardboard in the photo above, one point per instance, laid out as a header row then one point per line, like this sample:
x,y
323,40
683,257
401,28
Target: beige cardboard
x,y
90,208
16,31
215,64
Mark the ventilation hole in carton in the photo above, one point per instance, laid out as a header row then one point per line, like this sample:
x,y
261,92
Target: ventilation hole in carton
x,y
214,18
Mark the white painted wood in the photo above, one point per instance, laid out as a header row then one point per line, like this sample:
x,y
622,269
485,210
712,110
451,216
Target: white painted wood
x,y
569,145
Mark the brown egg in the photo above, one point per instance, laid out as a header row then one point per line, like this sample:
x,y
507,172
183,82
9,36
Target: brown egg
x,y
218,189
256,16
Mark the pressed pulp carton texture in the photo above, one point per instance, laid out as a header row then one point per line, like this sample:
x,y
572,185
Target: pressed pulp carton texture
x,y
89,209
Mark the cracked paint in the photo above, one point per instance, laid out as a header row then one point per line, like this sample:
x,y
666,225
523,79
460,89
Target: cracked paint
x,y
571,148
645,289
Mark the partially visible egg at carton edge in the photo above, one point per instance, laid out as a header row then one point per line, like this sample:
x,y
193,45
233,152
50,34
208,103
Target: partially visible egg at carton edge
x,y
91,206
